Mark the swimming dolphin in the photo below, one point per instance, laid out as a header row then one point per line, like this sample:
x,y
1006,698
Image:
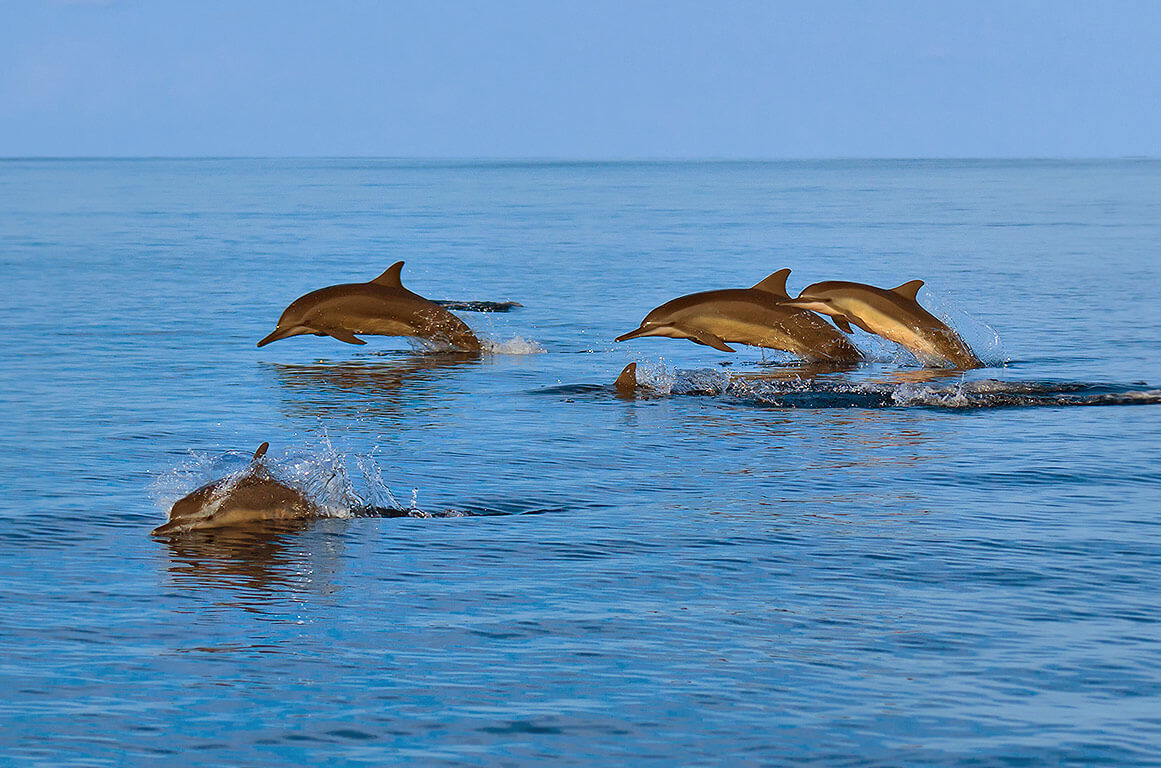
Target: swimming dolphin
x,y
757,316
382,307
255,496
894,315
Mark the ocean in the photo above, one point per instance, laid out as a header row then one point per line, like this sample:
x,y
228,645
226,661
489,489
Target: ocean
x,y
750,562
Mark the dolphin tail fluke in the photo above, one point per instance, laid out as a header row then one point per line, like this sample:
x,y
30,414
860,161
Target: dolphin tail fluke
x,y
627,381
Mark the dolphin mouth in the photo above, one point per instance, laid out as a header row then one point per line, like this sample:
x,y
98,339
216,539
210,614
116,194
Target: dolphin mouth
x,y
276,334
642,331
173,526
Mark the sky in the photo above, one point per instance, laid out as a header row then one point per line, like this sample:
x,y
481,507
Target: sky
x,y
583,79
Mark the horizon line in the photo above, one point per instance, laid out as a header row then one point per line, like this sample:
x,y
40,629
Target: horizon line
x,y
534,159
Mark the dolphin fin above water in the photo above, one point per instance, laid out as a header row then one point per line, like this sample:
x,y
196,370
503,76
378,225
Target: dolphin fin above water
x,y
909,290
626,383
775,284
392,277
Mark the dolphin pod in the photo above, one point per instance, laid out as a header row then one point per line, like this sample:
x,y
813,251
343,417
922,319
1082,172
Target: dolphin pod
x,y
380,307
255,496
763,315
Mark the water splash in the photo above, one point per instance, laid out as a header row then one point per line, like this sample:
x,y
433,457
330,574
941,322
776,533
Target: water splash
x,y
517,345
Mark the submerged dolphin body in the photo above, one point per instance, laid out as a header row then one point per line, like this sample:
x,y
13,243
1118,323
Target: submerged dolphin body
x,y
254,497
894,315
757,316
382,307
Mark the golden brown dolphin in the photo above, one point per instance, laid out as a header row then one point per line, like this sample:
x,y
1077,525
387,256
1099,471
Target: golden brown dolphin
x,y
256,496
894,315
382,307
757,316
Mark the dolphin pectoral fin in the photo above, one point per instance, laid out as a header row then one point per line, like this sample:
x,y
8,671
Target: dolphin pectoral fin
x,y
260,452
342,335
858,323
843,324
708,339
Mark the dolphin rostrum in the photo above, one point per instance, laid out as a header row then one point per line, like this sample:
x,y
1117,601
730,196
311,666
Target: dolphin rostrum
x,y
894,315
382,307
757,316
255,496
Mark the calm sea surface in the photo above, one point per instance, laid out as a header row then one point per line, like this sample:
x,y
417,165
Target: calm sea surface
x,y
873,567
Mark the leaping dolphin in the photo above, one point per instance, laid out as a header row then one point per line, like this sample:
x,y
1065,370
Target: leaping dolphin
x,y
894,315
382,307
757,316
254,497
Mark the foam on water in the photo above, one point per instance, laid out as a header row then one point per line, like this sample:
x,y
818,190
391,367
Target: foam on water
x,y
517,345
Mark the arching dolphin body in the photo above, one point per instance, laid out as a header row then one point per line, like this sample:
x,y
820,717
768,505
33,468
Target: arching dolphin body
x,y
382,307
254,497
894,315
756,316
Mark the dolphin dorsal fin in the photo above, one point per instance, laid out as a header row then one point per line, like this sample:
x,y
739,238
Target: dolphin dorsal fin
x,y
260,452
627,381
390,278
908,289
775,284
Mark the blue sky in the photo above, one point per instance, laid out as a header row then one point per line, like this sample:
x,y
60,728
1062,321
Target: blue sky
x,y
594,79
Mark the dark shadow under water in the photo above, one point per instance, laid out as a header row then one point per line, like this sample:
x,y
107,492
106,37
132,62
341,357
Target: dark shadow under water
x,y
821,386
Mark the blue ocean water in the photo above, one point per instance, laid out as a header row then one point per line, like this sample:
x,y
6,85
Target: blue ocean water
x,y
750,563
